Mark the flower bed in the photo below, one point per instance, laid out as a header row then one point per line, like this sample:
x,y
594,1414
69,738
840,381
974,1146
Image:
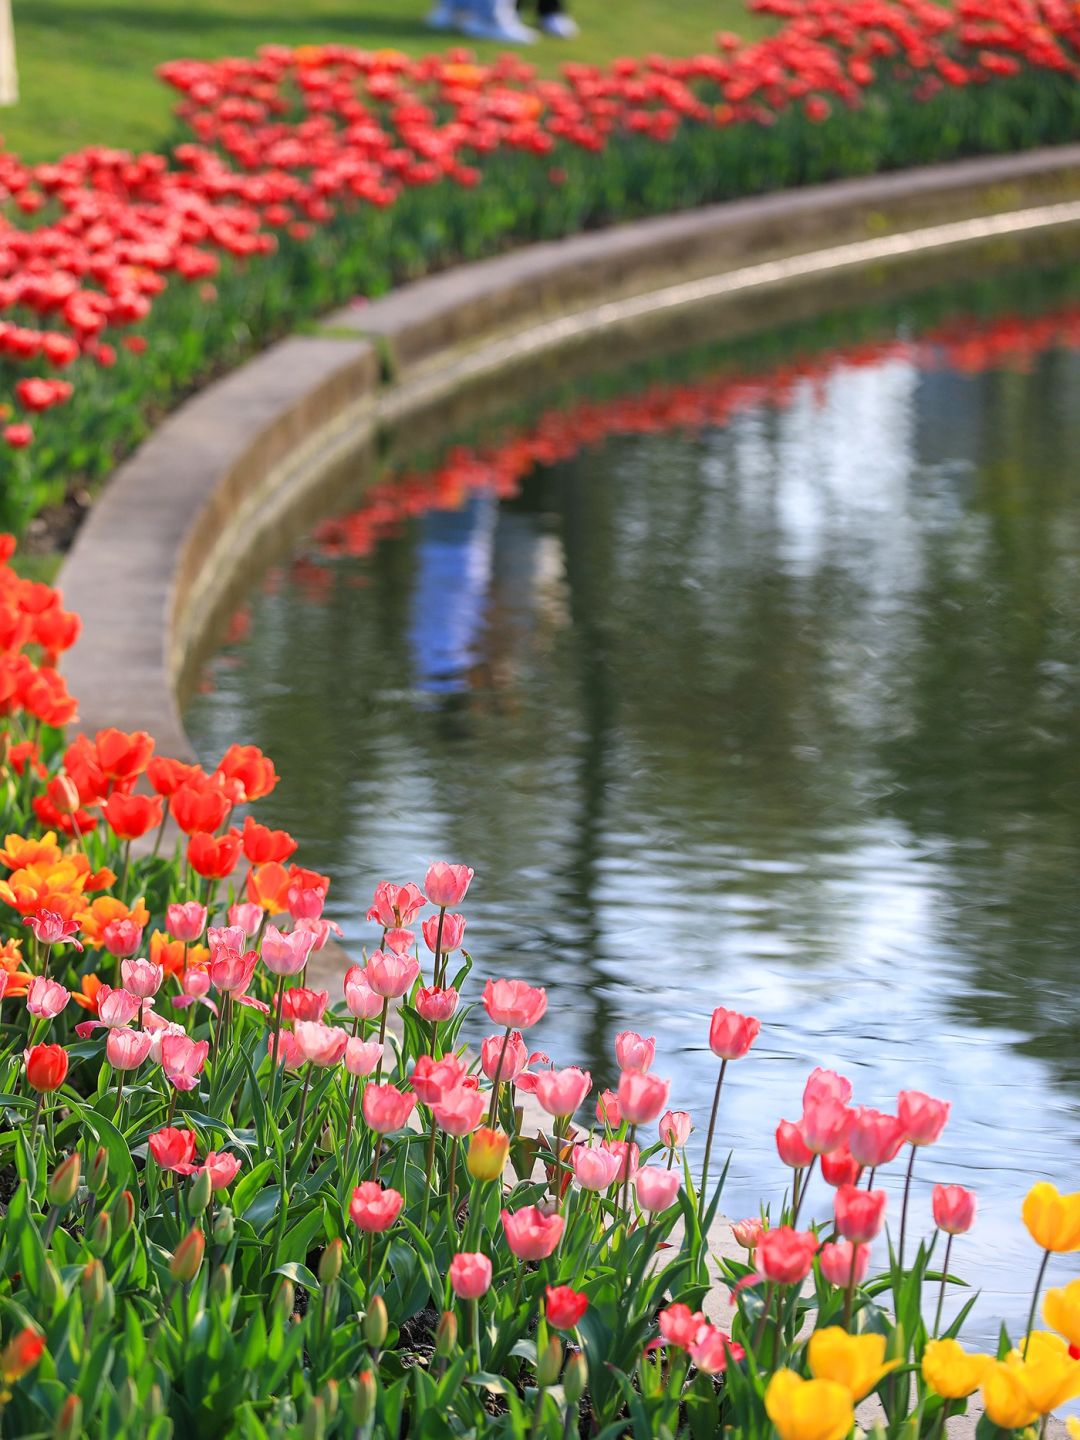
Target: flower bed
x,y
240,1206
313,175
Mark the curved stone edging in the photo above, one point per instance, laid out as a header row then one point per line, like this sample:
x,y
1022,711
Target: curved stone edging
x,y
174,523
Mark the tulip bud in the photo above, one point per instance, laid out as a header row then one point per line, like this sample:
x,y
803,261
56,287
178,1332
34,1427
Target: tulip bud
x,y
20,1355
155,1401
364,1397
487,1154
284,1301
221,1285
98,1171
376,1323
224,1226
69,1421
329,1396
52,1287
64,1181
446,1335
100,1237
92,1284
575,1378
128,1400
549,1363
330,1262
187,1258
199,1194
314,1424
326,1140
122,1214
65,794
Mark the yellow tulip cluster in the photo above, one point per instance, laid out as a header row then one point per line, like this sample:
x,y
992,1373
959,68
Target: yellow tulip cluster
x,y
845,1368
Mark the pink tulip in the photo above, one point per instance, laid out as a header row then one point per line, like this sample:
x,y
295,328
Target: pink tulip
x,y
222,1168
607,1110
116,1007
186,922
305,902
470,1275
595,1169
287,1052
436,1005
195,983
459,1111
791,1146
182,1060
122,937
513,1062
675,1127
633,1052
836,1262
680,1326
362,1056
626,1154
445,885
300,1003
826,1085
860,1214
231,971
395,904
52,929
126,1049
732,1034
46,998
362,1002
785,1256
560,1092
158,1029
431,1078
642,1097
399,941
514,1004
372,1208
825,1125
530,1234
243,916
320,930
656,1188
226,937
954,1209
712,1350
874,1138
285,954
922,1117
840,1167
141,977
390,975
322,1045
748,1233
386,1108
453,933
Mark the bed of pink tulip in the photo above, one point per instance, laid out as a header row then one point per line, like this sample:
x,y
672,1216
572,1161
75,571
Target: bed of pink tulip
x,y
246,1200
304,177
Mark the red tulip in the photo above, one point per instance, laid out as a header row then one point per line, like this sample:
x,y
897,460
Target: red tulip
x,y
46,1067
373,1209
732,1034
922,1117
564,1307
954,1209
859,1213
785,1256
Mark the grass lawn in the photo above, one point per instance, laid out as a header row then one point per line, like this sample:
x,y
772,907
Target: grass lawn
x,y
86,67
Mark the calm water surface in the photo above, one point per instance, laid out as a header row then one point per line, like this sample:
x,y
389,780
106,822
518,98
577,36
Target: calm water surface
x,y
779,713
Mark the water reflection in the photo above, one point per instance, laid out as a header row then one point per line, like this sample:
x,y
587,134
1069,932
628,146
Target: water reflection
x,y
775,709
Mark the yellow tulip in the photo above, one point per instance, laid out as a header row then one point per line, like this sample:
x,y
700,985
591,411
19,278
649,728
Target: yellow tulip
x,y
950,1371
855,1361
1072,1424
1005,1398
1052,1219
1048,1373
487,1153
808,1409
1061,1311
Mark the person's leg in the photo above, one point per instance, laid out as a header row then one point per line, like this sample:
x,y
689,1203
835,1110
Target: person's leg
x,y
553,20
497,20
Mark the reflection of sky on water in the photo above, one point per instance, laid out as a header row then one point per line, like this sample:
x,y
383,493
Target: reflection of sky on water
x,y
779,716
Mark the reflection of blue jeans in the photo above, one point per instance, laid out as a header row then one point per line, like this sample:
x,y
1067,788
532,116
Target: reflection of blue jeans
x,y
453,571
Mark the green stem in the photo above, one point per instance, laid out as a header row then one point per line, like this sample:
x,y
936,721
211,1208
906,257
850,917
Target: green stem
x,y
494,1109
708,1143
944,1281
904,1208
1035,1299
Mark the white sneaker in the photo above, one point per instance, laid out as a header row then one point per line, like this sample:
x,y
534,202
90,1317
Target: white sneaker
x,y
561,27
444,17
499,23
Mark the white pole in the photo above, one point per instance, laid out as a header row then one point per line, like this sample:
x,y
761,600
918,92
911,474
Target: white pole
x,y
9,80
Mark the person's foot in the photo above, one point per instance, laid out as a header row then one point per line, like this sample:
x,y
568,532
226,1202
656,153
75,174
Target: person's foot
x,y
444,17
561,27
497,21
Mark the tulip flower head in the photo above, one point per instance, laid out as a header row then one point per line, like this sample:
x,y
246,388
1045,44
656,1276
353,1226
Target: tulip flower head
x,y
922,1116
859,1213
674,1128
785,1256
633,1052
792,1147
680,1326
470,1275
656,1188
391,975
560,1092
732,1034
855,1361
127,1049
642,1097
446,885
595,1169
843,1263
808,1409
954,1209
373,1209
385,1108
513,1004
950,1371
530,1234
1052,1219
286,954
564,1307
46,1067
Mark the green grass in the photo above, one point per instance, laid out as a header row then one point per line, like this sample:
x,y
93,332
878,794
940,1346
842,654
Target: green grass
x,y
86,67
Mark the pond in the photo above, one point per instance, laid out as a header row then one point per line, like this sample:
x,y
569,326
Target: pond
x,y
745,677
